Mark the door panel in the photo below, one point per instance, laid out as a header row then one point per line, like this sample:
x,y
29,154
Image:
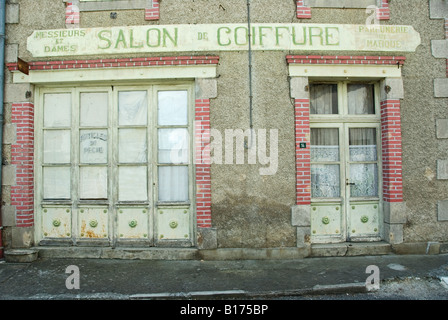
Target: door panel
x,y
345,175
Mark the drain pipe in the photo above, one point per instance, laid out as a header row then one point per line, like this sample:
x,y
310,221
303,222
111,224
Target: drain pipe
x,y
250,77
2,76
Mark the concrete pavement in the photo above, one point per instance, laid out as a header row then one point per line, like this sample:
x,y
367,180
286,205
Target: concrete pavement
x,y
117,279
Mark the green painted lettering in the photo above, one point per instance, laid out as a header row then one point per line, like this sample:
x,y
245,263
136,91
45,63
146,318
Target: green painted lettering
x,y
262,35
131,40
245,36
318,35
149,37
227,30
121,39
332,35
102,37
294,39
167,35
278,35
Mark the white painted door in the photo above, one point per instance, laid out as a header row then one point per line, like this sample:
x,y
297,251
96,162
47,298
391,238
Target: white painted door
x,y
345,186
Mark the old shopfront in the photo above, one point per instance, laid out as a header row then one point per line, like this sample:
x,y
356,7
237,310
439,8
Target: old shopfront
x,y
161,135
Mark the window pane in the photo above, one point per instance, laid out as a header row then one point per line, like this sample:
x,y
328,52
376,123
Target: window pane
x,y
173,146
57,110
57,146
132,183
93,146
362,144
324,144
365,179
132,145
324,99
173,107
94,109
56,182
173,183
360,99
133,108
325,181
93,182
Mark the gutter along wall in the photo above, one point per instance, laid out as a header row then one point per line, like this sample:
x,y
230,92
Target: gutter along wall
x,y
249,210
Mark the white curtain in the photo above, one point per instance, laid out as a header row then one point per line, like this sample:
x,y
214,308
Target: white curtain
x,y
173,183
364,175
325,178
324,99
360,99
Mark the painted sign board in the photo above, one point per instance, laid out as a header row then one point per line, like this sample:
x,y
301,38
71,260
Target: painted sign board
x,y
222,37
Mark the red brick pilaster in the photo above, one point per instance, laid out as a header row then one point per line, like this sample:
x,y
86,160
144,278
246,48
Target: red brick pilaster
x,y
391,151
202,161
22,158
72,16
383,11
303,158
302,11
153,13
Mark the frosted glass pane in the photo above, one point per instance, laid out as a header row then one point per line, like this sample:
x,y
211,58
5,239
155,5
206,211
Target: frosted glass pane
x,y
56,182
325,181
173,183
324,144
362,144
173,146
132,108
57,146
94,109
173,107
132,183
93,146
132,145
93,182
57,109
365,179
360,99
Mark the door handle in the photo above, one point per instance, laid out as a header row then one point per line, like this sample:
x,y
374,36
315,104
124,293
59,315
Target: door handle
x,y
349,183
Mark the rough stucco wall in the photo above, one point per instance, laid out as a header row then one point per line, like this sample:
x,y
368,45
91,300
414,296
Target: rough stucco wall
x,y
250,210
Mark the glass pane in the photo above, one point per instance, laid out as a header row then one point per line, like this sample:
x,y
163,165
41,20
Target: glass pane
x,y
56,182
325,181
132,145
324,99
173,107
362,144
132,183
93,111
173,183
57,146
93,146
133,108
365,179
324,144
173,146
93,182
57,109
360,99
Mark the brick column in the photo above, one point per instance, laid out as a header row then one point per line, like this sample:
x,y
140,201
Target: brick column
x,y
206,89
392,154
383,11
302,142
22,158
72,15
394,208
153,12
302,11
301,211
202,161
